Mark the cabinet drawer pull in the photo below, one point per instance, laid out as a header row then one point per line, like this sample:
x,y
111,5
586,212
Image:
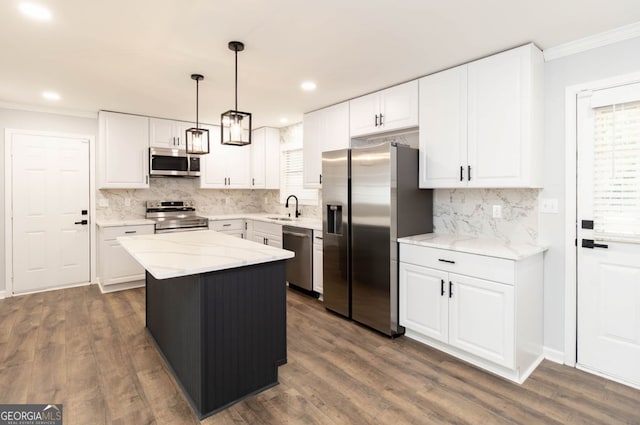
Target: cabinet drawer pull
x,y
442,287
130,231
450,289
226,225
446,261
319,237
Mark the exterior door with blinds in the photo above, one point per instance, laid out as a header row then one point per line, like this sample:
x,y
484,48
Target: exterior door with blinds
x,y
608,235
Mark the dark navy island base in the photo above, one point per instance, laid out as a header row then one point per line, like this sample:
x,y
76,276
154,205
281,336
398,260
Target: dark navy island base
x,y
222,333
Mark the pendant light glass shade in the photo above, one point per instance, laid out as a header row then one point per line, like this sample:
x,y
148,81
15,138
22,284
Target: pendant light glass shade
x,y
197,138
235,126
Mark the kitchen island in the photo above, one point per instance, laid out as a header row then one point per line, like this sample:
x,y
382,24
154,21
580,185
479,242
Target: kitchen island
x,y
216,310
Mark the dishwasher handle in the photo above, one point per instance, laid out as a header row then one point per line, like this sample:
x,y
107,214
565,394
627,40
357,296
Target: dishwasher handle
x,y
298,234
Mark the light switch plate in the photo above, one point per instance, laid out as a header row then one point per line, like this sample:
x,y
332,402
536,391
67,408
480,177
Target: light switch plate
x,y
497,211
548,205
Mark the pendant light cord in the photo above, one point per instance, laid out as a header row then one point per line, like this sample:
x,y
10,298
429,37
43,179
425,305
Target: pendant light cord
x,y
197,102
236,78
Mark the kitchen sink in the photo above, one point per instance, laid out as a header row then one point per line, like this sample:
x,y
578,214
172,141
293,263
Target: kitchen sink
x,y
280,218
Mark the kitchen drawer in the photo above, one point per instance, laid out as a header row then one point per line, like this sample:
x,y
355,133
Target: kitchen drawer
x,y
480,266
268,228
109,233
225,225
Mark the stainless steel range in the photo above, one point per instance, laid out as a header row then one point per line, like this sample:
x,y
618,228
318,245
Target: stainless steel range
x,y
175,216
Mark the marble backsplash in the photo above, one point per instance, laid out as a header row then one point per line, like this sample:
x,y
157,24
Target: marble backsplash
x,y
470,212
208,201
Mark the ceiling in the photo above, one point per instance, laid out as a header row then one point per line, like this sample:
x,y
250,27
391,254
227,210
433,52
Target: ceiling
x,y
136,56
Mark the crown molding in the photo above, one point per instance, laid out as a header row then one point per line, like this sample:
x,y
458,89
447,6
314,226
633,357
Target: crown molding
x,y
591,42
48,110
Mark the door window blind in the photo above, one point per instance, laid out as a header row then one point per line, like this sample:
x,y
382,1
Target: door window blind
x,y
292,179
616,172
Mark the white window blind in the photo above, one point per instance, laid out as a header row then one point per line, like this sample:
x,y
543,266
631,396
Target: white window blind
x,y
616,178
292,180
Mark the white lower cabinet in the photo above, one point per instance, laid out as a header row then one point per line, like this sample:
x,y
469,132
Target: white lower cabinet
x,y
265,233
233,227
485,310
317,261
117,270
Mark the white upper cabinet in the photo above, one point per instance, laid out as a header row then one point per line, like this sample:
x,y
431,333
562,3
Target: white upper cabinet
x,y
123,152
395,108
481,124
323,130
226,166
167,133
265,158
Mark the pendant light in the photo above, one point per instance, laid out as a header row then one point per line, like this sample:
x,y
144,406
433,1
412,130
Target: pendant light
x,y
197,138
235,126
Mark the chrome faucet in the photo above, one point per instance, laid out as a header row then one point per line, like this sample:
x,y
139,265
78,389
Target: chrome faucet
x,y
286,204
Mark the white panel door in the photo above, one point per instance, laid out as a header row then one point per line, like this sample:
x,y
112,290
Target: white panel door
x,y
608,250
399,107
317,262
335,128
481,318
50,191
162,133
496,98
424,301
213,168
443,129
364,115
312,129
238,166
258,152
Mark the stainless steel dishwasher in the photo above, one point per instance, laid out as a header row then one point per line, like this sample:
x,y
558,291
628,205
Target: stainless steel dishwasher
x,y
300,267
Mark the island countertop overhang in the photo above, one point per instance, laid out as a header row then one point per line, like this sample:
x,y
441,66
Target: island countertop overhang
x,y
170,255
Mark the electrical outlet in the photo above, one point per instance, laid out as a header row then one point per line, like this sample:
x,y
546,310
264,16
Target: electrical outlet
x,y
103,203
127,202
548,205
497,211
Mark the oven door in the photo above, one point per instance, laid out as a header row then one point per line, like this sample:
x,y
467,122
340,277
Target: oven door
x,y
168,162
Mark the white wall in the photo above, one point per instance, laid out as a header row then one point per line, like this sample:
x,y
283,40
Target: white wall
x,y
26,120
604,62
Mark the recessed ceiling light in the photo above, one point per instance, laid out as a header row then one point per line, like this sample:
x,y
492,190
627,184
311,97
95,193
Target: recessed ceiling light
x,y
50,95
35,11
284,120
308,86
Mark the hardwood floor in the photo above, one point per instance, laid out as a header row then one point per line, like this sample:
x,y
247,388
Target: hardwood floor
x,y
90,352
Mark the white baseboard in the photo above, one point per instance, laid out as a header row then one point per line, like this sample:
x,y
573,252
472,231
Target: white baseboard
x,y
3,294
105,289
555,356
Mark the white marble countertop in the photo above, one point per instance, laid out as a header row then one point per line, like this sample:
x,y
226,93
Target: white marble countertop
x,y
307,223
168,255
474,245
126,222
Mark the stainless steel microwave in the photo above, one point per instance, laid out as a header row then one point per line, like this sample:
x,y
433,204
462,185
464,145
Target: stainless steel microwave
x,y
168,162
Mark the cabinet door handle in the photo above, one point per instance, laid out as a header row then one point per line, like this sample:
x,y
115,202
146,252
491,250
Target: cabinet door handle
x,y
450,289
446,261
320,178
229,181
253,181
381,116
442,287
146,179
83,222
376,120
469,172
130,232
461,171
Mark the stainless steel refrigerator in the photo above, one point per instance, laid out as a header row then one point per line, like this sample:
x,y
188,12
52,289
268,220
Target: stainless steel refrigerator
x,y
370,198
